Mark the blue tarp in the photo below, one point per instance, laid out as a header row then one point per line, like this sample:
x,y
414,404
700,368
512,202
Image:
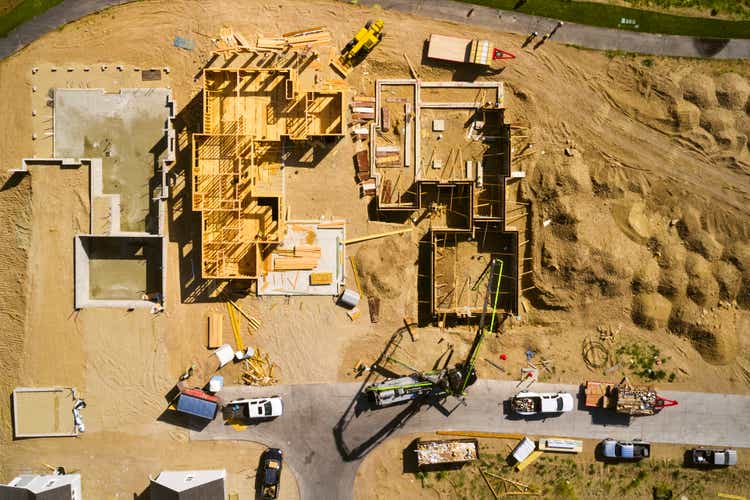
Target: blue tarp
x,y
198,407
183,43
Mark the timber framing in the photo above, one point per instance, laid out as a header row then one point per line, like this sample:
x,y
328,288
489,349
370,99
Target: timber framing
x,y
251,115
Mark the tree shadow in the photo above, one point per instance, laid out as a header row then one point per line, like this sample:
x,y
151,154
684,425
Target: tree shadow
x,y
709,47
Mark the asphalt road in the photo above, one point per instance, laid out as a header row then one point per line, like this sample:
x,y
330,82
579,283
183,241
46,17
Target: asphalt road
x,y
577,34
591,37
327,429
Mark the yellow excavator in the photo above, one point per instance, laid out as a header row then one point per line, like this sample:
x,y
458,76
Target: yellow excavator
x,y
354,52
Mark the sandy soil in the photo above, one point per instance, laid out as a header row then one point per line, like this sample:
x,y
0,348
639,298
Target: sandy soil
x,y
649,230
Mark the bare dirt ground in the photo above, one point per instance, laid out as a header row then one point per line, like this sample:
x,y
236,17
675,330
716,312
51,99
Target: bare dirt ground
x,y
556,475
649,212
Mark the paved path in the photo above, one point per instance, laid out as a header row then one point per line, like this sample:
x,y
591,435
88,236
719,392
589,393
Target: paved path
x,y
326,429
59,15
592,37
585,36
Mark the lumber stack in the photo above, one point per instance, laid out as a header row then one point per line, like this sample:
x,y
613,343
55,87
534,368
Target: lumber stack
x,y
304,39
258,370
300,257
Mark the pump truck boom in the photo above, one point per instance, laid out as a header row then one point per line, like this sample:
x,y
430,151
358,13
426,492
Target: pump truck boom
x,y
447,381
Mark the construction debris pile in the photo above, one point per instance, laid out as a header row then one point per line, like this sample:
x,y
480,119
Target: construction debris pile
x,y
636,401
525,404
230,41
258,370
439,452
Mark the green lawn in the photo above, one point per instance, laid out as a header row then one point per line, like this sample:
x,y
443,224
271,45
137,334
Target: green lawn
x,y
739,8
612,16
22,12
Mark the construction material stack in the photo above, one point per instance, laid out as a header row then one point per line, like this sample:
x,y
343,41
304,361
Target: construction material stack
x,y
452,451
625,398
481,52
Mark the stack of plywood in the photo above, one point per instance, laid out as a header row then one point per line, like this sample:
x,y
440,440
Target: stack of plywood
x,y
301,257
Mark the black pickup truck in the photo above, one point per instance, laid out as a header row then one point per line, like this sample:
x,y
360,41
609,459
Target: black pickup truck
x,y
271,473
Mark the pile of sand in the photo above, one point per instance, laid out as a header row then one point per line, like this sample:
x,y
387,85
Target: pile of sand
x,y
651,310
673,282
699,89
686,114
668,249
696,238
646,279
702,287
717,120
375,262
732,91
729,279
712,333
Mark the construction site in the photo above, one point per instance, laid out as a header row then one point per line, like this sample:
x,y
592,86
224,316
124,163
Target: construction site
x,y
260,255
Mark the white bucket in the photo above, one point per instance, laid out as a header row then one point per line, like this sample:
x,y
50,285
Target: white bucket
x,y
349,299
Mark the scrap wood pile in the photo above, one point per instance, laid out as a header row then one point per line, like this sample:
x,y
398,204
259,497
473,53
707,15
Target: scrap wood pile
x,y
508,487
299,257
311,37
258,370
437,452
229,41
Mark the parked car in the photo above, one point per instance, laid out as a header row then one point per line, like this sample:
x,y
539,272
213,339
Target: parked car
x,y
259,408
534,403
625,450
271,463
702,457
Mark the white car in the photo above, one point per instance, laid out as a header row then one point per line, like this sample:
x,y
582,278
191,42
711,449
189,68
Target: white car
x,y
535,403
256,408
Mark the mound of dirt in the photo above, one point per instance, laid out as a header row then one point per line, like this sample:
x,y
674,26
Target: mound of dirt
x,y
702,288
668,250
718,120
686,115
651,310
646,279
375,264
707,246
690,229
729,279
699,89
713,334
738,253
742,124
732,91
564,219
673,282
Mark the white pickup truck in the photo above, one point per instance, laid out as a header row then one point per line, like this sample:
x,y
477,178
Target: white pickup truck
x,y
252,409
535,403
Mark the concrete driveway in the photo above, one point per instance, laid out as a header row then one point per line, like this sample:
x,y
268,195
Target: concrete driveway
x,y
327,429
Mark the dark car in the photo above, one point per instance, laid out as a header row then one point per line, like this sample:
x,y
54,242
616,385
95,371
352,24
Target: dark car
x,y
271,472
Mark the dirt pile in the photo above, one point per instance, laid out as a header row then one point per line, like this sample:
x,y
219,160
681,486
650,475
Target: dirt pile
x,y
713,333
651,310
382,275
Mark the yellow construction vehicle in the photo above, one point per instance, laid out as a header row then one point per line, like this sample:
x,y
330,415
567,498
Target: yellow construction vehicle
x,y
356,50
